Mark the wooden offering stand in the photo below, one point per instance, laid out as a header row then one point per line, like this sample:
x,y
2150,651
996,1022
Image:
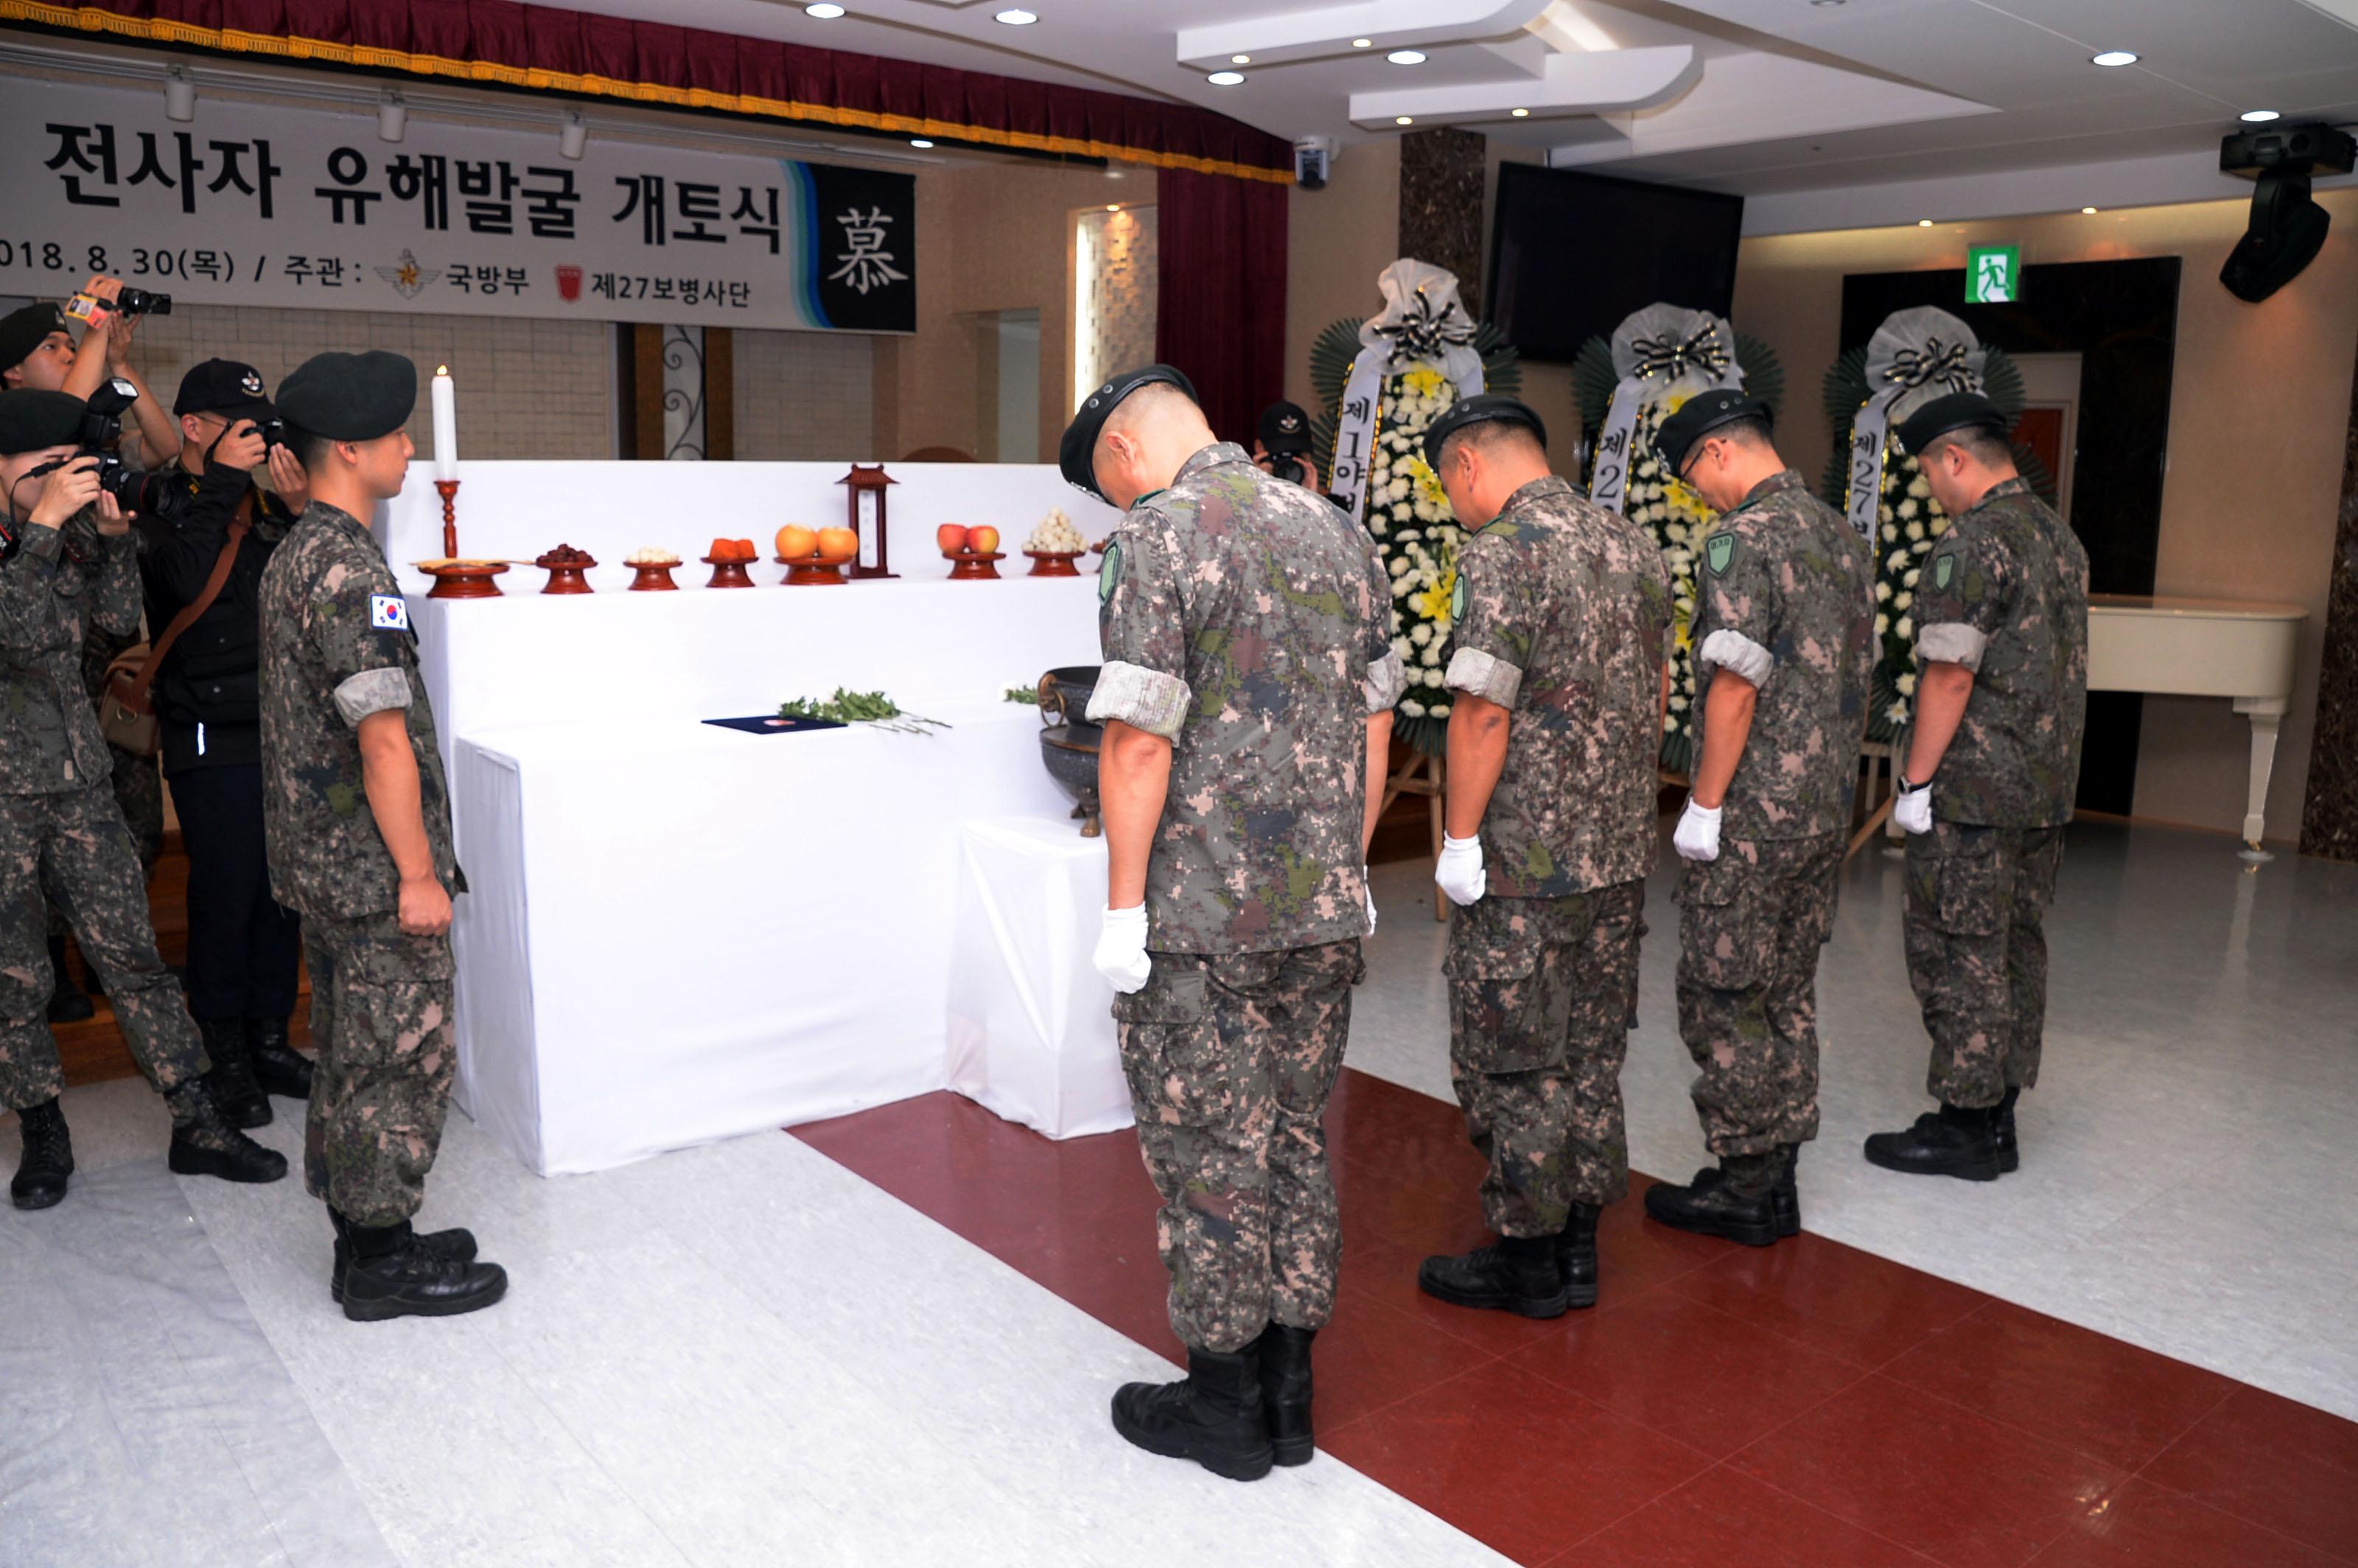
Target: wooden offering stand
x,y
1053,563
729,572
565,565
973,565
814,570
654,577
453,578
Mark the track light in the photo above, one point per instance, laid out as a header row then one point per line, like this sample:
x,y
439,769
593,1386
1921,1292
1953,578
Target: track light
x,y
392,115
179,95
575,137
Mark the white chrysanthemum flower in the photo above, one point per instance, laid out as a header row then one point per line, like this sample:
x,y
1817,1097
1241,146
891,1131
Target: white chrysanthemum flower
x,y
1896,713
1920,547
1918,487
1882,591
1441,710
1902,600
1403,647
1421,634
1413,707
1678,705
1906,509
1914,573
1882,623
1898,560
1906,684
1939,524
1890,534
1399,564
1904,627
1915,530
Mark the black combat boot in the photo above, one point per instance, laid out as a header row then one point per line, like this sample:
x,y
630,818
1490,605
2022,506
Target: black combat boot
x,y
1285,1390
1213,1416
1518,1275
205,1144
1785,1197
1954,1140
393,1274
235,1090
1735,1202
67,1002
2009,1152
278,1068
454,1246
47,1159
1576,1255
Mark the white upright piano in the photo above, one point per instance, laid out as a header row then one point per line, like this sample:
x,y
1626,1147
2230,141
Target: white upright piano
x,y
2204,647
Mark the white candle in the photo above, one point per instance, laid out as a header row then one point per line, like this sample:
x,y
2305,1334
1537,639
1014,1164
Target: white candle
x,y
446,425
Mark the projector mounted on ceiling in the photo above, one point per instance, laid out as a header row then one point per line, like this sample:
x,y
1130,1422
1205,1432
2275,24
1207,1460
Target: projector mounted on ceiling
x,y
2288,226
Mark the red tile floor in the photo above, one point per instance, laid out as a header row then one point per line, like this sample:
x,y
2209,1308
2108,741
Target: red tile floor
x,y
1809,1404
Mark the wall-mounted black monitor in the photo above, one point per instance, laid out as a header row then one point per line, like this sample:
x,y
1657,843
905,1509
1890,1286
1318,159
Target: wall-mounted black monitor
x,y
1571,255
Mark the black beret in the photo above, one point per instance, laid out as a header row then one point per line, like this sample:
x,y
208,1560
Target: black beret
x,y
1478,410
1701,414
350,397
22,331
31,420
223,387
1284,430
1957,411
1076,456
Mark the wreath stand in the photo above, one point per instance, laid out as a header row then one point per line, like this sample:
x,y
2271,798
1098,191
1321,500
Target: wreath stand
x,y
1880,778
1422,775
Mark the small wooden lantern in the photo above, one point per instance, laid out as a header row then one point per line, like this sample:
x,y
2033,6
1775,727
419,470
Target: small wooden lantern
x,y
865,489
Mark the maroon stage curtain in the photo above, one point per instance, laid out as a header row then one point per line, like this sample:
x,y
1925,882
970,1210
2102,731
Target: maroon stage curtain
x,y
1220,292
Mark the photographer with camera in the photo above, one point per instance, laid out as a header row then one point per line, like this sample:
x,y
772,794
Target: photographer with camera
x,y
69,561
36,350
1283,448
211,532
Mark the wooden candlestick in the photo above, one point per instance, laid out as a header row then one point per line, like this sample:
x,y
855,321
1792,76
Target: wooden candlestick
x,y
448,490
460,580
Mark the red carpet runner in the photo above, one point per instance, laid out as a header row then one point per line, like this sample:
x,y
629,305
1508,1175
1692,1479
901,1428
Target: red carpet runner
x,y
1810,1405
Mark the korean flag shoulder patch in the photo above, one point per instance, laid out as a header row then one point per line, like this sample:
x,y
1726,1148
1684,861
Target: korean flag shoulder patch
x,y
388,612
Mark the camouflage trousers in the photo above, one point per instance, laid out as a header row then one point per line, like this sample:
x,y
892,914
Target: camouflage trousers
x,y
1230,1058
73,844
382,1018
1976,905
1539,994
138,786
1751,925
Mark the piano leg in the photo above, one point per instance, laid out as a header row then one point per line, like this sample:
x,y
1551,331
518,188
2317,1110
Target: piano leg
x,y
2266,715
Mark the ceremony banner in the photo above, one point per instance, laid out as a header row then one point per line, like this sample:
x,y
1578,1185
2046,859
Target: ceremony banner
x,y
306,209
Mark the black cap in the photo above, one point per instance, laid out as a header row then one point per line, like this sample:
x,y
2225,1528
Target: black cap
x,y
1475,410
31,420
225,387
1284,430
1076,456
1957,411
1701,414
350,397
22,331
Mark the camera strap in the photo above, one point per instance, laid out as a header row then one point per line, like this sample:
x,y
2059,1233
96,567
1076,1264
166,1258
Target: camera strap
x,y
134,696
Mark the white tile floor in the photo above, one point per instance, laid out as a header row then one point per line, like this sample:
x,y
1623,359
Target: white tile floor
x,y
746,1354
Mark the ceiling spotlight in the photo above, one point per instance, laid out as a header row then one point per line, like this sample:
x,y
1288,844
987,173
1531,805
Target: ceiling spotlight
x,y
1016,18
2258,117
1406,56
392,115
919,142
2087,211
1521,113
825,10
2114,57
1924,223
1113,206
180,95
573,138
1403,119
1363,43
1225,78
1241,60
1826,5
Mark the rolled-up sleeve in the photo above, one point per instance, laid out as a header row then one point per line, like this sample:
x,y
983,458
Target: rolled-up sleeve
x,y
1738,655
1951,643
1485,675
1960,599
372,691
1737,607
1142,630
1496,626
1386,678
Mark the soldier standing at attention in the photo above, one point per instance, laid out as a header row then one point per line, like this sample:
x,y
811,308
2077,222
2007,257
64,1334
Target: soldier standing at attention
x,y
357,820
1558,629
1992,761
1247,699
67,562
1784,631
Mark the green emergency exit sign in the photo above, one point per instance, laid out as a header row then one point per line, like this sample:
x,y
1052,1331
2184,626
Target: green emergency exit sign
x,y
1993,275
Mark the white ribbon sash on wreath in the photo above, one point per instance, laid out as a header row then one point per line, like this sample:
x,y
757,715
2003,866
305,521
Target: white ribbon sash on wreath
x,y
1914,357
1660,352
1422,321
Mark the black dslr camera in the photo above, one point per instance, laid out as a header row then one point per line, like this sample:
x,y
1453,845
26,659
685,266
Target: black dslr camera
x,y
129,301
102,427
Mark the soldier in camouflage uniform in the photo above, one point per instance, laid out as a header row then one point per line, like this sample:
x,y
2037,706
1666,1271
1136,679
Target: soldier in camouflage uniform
x,y
70,564
1247,696
1559,621
1991,762
1784,634
357,819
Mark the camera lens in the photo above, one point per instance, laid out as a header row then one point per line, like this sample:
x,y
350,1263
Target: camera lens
x,y
139,302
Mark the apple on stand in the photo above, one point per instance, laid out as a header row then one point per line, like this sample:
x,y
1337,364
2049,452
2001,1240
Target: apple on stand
x,y
983,541
951,537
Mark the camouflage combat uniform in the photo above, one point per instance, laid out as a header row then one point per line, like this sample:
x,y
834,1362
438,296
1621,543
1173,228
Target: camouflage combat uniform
x,y
60,829
1248,622
1559,616
137,782
382,1005
2004,593
1785,600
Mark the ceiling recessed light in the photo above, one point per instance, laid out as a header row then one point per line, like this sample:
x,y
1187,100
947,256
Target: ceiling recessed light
x,y
1924,223
1403,119
2087,211
2114,57
1363,43
919,142
825,10
2259,116
1241,60
1406,56
1016,18
1113,206
1521,113
1825,4
1225,78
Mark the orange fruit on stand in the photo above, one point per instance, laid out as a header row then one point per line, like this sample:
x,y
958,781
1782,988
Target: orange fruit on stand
x,y
836,545
795,542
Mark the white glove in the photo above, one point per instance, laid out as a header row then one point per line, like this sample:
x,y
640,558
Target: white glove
x,y
1697,835
1122,955
1459,871
1913,809
1369,883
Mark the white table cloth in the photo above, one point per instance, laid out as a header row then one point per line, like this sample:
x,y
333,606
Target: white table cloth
x,y
1030,1019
